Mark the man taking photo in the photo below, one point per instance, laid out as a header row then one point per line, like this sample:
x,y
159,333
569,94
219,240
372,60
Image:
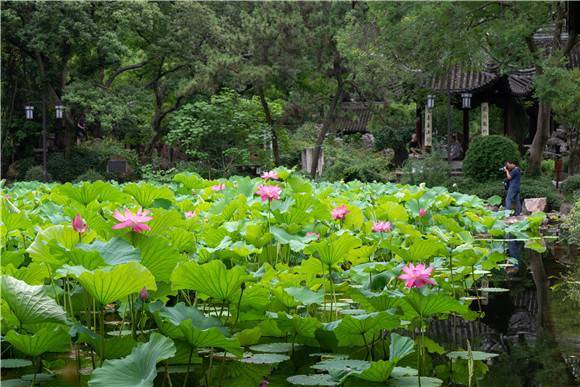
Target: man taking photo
x,y
513,174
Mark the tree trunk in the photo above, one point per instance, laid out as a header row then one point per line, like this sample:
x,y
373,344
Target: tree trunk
x,y
329,116
574,162
540,139
270,121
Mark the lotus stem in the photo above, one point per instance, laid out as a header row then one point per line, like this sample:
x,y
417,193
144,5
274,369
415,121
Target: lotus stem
x,y
188,364
102,336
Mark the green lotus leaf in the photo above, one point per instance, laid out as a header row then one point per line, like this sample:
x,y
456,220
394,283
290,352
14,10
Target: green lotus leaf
x,y
297,325
190,181
56,339
114,251
360,329
313,380
137,369
387,299
211,279
146,193
411,381
210,337
378,372
274,347
265,358
29,303
164,220
86,193
334,249
430,304
158,256
107,348
393,212
249,336
306,296
474,355
349,365
296,242
169,318
400,347
15,363
113,283
64,236
33,274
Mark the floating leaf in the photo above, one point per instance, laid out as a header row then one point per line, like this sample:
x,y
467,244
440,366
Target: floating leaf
x,y
313,380
274,347
475,355
494,290
265,358
411,381
15,363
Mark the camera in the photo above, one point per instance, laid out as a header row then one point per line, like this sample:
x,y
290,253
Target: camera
x,y
501,169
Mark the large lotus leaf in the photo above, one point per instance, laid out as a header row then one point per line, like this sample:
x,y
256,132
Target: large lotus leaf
x,y
64,236
296,242
378,372
384,300
114,251
169,319
55,339
306,296
211,337
334,249
146,193
400,347
349,365
423,249
158,256
297,325
313,380
113,283
13,220
211,279
164,220
86,193
108,348
190,181
29,303
411,381
274,347
138,369
393,212
33,274
182,240
430,304
358,329
265,358
255,297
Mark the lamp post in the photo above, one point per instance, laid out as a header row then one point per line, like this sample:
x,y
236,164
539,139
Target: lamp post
x,y
466,105
29,112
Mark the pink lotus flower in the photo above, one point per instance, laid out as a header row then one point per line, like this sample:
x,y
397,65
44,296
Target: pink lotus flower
x,y
382,227
136,221
144,294
339,212
312,233
417,276
269,192
79,224
218,187
270,175
190,214
422,212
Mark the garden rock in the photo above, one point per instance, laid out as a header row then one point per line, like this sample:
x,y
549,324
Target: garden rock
x,y
535,204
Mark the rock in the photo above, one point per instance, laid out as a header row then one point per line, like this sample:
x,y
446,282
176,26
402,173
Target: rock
x,y
565,208
535,204
368,140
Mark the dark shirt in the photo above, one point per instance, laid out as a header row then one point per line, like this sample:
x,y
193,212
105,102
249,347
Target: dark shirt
x,y
516,174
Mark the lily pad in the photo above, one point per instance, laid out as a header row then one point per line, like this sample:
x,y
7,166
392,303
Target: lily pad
x,y
342,365
15,363
494,290
274,347
312,380
265,358
411,381
42,377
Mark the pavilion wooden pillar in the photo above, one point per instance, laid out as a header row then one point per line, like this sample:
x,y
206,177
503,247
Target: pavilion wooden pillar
x,y
419,126
465,129
428,128
507,118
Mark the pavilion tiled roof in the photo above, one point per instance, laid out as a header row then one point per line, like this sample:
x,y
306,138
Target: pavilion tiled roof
x,y
354,117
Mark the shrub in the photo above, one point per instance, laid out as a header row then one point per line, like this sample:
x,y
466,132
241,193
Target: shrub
x,y
392,128
571,225
548,167
90,175
351,162
432,170
35,173
571,186
487,154
79,161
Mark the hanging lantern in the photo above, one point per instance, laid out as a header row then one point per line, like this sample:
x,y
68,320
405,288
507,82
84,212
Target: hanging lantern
x,y
59,110
29,112
466,100
430,101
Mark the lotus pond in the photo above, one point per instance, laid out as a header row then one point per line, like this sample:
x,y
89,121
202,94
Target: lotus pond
x,y
247,282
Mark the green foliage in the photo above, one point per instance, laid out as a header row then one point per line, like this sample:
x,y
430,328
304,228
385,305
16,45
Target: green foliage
x,y
571,225
571,186
226,133
348,162
541,187
432,170
35,173
487,154
392,126
89,175
548,167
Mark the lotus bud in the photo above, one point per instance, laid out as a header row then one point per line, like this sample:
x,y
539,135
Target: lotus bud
x,y
143,294
79,224
422,212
